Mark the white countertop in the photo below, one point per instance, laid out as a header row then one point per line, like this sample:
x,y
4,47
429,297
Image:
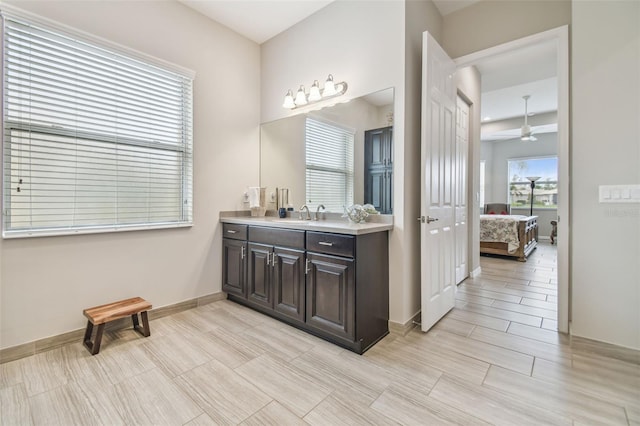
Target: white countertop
x,y
338,226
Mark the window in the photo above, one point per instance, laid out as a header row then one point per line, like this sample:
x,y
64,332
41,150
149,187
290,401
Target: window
x,y
546,190
329,165
93,140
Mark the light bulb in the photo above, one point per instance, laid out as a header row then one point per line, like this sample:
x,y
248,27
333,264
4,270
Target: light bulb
x,y
329,87
301,97
288,100
314,92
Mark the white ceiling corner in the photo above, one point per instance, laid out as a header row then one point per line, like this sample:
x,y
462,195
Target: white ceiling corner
x,y
258,20
446,7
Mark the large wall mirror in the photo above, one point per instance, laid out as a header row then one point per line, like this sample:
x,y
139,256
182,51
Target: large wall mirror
x,y
335,156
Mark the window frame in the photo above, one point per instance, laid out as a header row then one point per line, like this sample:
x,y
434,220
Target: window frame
x,y
348,172
527,184
184,147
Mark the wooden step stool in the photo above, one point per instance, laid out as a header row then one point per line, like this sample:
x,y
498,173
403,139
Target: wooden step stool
x,y
100,315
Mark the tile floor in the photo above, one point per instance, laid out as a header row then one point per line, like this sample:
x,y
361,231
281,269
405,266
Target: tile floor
x,y
494,359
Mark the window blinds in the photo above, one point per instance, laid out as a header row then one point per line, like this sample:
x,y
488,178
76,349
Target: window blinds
x,y
329,165
93,140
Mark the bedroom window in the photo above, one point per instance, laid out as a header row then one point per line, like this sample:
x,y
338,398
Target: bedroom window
x,y
329,165
94,140
546,190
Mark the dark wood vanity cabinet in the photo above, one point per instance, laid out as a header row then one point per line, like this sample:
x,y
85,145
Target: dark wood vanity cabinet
x,y
234,259
332,285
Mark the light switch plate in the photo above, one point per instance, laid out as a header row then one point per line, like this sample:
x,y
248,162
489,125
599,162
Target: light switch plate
x,y
619,193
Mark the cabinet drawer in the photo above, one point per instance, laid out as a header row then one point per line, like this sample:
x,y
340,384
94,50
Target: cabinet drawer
x,y
235,232
336,244
277,237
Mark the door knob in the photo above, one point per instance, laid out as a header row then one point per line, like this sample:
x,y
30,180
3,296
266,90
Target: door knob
x,y
427,219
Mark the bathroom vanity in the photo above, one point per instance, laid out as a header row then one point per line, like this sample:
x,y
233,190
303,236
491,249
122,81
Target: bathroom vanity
x,y
328,277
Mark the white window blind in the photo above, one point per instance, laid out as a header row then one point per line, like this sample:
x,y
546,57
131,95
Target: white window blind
x,y
93,140
329,165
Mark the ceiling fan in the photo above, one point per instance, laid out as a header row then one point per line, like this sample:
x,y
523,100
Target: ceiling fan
x,y
525,133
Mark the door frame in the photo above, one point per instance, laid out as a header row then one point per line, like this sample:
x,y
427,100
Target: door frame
x,y
560,36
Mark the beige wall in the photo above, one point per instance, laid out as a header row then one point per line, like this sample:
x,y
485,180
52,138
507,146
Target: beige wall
x,y
605,238
492,22
47,282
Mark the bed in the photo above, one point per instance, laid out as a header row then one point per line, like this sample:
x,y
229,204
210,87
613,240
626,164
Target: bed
x,y
508,235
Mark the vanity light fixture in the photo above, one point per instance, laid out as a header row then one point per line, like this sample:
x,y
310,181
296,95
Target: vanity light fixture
x,y
316,94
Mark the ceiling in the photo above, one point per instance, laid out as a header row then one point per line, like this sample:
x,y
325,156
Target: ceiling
x,y
505,79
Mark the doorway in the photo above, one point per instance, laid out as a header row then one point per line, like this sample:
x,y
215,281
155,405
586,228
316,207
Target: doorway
x,y
558,40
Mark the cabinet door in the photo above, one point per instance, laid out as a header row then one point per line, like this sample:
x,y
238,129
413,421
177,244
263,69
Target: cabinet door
x,y
234,267
331,295
288,282
259,280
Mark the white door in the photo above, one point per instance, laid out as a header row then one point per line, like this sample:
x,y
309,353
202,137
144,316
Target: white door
x,y
460,185
437,181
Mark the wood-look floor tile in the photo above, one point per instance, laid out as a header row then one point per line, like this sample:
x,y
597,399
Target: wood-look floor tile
x,y
455,326
488,353
556,397
11,373
523,345
516,290
122,362
249,316
402,363
202,420
228,321
537,333
43,372
470,297
548,324
277,342
531,291
419,346
88,400
346,408
493,406
225,396
228,348
498,312
411,405
489,294
201,319
152,398
14,407
176,353
550,306
345,369
274,414
633,415
476,318
287,384
586,378
313,341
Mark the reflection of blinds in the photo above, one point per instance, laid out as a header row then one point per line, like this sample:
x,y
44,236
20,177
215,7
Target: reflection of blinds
x,y
329,159
93,140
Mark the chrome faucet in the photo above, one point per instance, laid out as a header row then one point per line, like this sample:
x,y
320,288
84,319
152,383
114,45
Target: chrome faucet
x,y
321,206
308,214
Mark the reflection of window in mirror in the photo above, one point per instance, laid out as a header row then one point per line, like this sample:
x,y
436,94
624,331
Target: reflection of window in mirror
x,y
329,165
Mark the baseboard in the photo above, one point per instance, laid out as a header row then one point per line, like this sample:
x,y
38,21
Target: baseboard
x,y
402,329
476,272
608,350
48,343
